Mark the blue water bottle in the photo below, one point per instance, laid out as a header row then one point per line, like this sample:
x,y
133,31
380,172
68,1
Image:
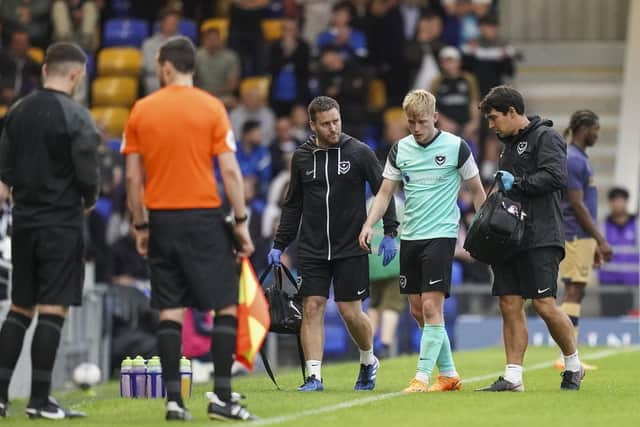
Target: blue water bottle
x,y
186,377
139,378
125,377
155,385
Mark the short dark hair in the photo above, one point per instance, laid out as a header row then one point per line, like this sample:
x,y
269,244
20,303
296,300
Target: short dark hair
x,y
250,125
616,192
180,52
500,98
489,19
61,53
168,11
320,104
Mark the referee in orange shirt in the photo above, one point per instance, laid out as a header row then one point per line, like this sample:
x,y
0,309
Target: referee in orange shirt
x,y
170,140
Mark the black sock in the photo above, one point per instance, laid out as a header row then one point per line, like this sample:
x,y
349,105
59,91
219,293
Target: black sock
x,y
170,345
11,338
44,347
223,347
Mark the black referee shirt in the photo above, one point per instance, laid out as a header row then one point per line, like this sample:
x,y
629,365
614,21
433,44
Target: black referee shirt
x,y
48,155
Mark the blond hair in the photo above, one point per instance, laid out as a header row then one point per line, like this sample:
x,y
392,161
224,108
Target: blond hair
x,y
419,102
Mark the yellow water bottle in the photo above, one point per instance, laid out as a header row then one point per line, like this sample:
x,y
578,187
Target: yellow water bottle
x,y
186,376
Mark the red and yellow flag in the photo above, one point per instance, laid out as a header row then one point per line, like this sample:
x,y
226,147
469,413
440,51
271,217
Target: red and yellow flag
x,y
253,316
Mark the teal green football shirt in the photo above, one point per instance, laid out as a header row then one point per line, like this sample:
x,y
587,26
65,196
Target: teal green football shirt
x,y
431,174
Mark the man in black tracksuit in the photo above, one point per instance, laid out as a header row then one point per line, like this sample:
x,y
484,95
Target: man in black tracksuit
x,y
48,157
533,164
327,192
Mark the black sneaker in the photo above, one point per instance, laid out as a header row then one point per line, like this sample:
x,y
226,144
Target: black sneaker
x,y
4,408
175,412
233,410
52,410
502,385
571,380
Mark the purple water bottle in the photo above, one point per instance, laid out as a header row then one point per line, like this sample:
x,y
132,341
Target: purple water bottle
x,y
155,385
125,377
139,378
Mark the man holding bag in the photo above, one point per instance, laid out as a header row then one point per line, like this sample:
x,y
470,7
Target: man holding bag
x,y
533,170
327,194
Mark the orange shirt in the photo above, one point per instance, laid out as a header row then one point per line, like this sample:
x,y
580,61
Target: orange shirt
x,y
178,130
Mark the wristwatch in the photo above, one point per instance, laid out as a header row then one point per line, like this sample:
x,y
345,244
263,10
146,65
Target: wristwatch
x,y
241,219
393,234
141,226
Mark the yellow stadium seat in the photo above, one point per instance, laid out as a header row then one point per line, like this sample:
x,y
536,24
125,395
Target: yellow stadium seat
x,y
222,24
377,95
113,118
119,61
260,83
3,110
36,54
393,114
114,91
272,29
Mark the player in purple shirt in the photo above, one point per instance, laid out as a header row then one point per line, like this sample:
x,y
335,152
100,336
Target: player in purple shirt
x,y
585,247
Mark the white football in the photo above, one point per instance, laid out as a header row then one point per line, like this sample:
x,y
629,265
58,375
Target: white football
x,y
86,375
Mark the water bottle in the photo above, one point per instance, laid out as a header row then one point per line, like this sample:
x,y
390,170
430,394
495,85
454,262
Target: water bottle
x,y
186,377
155,385
139,378
125,377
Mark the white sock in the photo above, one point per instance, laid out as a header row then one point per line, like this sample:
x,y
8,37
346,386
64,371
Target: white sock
x,y
314,368
367,357
449,374
513,374
422,376
572,362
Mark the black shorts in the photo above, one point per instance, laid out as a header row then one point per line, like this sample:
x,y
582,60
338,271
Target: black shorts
x,y
530,274
48,266
425,265
350,277
191,260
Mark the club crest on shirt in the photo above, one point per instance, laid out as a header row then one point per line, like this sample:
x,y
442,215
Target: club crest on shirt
x,y
403,282
343,167
440,159
522,146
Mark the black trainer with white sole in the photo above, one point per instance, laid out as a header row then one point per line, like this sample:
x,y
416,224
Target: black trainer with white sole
x,y
233,410
52,410
4,408
502,385
175,412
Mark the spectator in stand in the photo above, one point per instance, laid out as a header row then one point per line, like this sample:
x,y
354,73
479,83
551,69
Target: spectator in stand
x,y
256,203
76,21
252,107
128,268
245,34
275,198
300,123
32,15
452,31
217,68
621,232
456,93
283,145
289,69
348,84
169,19
352,44
394,131
490,58
19,74
316,17
253,157
422,52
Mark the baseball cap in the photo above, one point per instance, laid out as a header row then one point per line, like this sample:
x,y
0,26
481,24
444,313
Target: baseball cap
x,y
449,52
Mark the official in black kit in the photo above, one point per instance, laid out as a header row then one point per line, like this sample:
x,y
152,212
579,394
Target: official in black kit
x,y
48,158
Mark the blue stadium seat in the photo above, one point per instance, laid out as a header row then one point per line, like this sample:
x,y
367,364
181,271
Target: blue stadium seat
x,y
114,144
120,8
125,32
186,27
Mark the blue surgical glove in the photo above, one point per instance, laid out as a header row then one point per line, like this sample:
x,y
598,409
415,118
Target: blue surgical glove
x,y
274,257
389,248
507,179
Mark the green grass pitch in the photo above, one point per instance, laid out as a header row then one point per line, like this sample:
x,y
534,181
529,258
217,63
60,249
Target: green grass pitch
x,y
609,397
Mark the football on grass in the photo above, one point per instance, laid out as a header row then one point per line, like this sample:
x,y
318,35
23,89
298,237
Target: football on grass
x,y
86,375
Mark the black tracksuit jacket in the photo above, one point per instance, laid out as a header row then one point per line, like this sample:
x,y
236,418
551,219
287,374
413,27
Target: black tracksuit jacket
x,y
48,155
327,192
537,158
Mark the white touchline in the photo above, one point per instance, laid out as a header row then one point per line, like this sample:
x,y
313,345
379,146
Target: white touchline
x,y
385,396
